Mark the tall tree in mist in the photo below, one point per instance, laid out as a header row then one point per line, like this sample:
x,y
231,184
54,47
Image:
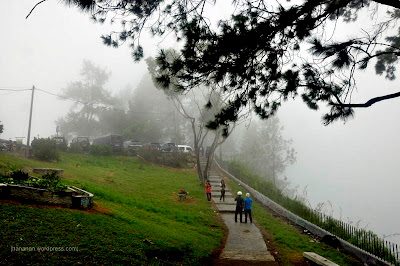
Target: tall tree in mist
x,y
90,99
152,117
1,128
198,107
265,52
265,150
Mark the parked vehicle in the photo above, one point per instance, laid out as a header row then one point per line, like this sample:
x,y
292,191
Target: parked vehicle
x,y
153,145
130,143
169,147
4,144
83,142
61,143
113,140
185,149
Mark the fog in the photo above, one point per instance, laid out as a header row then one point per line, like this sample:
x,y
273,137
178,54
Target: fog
x,y
353,165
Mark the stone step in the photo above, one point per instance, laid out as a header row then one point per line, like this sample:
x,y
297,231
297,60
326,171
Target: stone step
x,y
228,201
218,194
226,208
249,256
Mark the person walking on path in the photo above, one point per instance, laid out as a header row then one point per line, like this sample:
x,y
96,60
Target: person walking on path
x,y
222,190
208,190
247,207
239,206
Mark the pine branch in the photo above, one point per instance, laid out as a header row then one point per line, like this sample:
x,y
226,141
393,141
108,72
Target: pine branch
x,y
34,8
370,102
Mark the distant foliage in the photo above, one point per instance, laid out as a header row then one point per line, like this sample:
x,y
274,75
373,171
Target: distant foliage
x,y
170,159
75,148
45,149
62,146
100,150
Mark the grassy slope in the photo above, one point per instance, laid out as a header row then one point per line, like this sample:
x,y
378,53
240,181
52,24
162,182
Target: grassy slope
x,y
288,241
146,223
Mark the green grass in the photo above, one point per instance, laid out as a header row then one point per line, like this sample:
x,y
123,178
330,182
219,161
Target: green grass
x,y
288,241
145,223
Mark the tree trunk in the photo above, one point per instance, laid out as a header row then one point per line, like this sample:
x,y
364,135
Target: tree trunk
x,y
211,155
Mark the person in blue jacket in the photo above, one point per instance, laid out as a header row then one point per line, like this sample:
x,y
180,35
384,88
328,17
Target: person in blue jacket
x,y
247,207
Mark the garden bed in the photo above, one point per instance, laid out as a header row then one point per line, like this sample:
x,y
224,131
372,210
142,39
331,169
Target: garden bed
x,y
73,197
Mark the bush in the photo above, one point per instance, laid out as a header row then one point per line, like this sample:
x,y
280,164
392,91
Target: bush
x,y
75,148
149,154
45,150
19,176
100,150
170,159
50,182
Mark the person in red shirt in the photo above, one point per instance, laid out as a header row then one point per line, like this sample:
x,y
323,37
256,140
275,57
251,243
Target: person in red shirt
x,y
208,190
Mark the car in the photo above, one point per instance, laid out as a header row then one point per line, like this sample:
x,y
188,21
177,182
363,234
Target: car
x,y
113,140
129,143
169,147
7,145
4,144
185,149
61,143
153,145
83,142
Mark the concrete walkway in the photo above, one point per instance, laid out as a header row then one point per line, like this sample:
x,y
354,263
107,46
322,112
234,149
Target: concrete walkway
x,y
245,244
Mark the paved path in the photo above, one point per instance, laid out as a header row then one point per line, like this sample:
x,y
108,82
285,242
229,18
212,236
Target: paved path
x,y
244,244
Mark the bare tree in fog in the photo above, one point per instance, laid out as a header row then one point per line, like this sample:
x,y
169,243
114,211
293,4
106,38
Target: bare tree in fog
x,y
199,107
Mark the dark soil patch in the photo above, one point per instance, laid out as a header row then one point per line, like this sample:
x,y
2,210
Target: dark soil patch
x,y
97,208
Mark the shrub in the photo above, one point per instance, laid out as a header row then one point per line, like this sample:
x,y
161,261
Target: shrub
x,y
45,149
100,150
75,147
171,159
19,176
149,154
50,182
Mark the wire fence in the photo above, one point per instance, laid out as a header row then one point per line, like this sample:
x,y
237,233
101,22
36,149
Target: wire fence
x,y
361,238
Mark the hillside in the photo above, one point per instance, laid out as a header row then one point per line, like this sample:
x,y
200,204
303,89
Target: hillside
x,y
137,218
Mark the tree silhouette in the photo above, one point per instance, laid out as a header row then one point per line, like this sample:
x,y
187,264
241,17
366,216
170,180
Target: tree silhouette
x,y
265,52
90,101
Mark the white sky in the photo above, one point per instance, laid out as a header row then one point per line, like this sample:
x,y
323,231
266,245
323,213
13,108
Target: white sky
x,y
354,165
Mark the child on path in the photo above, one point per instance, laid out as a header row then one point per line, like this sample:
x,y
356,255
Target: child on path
x,y
247,207
239,206
222,190
208,190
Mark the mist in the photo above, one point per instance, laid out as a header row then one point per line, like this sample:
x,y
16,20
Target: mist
x,y
352,165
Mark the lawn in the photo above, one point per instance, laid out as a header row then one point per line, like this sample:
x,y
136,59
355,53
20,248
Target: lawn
x,y
139,217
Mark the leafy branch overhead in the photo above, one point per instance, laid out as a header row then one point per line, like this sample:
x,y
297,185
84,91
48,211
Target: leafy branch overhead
x,y
265,52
